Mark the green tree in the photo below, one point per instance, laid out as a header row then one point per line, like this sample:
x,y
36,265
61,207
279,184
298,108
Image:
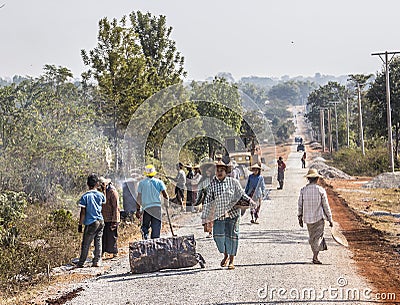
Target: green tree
x,y
162,57
219,100
257,93
322,98
130,63
119,67
287,91
52,143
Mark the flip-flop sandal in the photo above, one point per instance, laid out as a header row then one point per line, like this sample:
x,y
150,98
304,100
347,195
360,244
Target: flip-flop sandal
x,y
224,262
317,262
231,266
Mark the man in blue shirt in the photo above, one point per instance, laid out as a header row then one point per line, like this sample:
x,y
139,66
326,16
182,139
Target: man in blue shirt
x,y
91,204
149,201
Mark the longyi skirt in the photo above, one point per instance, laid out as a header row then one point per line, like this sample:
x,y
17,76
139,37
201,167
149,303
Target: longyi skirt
x,y
226,235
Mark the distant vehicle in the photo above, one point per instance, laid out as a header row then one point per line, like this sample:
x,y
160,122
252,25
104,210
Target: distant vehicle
x,y
300,147
244,161
298,140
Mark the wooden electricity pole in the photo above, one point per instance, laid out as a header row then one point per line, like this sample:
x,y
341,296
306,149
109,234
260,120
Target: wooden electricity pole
x,y
386,62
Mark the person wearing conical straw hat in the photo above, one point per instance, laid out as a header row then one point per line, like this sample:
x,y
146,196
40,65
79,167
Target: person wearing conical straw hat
x,y
149,201
223,193
313,209
255,189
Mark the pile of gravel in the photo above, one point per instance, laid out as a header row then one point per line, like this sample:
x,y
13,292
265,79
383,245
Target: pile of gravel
x,y
385,180
329,171
315,145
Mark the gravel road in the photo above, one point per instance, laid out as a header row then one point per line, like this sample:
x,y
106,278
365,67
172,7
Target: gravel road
x,y
273,265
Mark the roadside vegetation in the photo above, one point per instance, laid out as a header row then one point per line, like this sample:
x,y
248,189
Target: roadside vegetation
x,y
353,162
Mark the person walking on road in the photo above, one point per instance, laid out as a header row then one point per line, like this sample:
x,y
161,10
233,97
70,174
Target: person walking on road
x,y
255,189
111,215
313,209
235,173
180,181
190,199
222,194
149,201
303,160
91,204
281,172
207,168
194,184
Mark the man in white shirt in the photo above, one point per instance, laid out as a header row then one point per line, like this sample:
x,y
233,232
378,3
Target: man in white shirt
x,y
313,209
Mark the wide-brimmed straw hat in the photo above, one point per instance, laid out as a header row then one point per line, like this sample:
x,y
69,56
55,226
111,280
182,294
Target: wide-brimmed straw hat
x,y
103,180
221,163
256,166
313,173
150,171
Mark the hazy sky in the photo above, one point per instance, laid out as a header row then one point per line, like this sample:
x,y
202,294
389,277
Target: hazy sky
x,y
245,38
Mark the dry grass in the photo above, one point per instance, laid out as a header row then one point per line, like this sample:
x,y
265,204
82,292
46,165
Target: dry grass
x,y
41,291
366,200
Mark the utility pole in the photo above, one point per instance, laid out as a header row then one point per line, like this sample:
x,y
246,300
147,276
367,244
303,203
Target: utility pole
x,y
330,131
386,62
347,119
361,121
322,126
336,123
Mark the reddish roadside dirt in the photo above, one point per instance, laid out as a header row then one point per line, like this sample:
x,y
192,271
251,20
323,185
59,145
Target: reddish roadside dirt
x,y
376,259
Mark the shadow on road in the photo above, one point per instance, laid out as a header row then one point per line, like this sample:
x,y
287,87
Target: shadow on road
x,y
275,236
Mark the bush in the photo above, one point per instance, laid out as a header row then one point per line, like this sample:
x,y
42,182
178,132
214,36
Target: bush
x,y
352,162
46,239
12,206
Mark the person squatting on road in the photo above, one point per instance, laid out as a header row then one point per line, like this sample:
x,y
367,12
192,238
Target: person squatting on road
x,y
111,215
207,168
281,172
255,189
91,204
313,208
222,194
149,200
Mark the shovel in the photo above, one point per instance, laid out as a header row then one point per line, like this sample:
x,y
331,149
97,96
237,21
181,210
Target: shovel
x,y
169,219
339,237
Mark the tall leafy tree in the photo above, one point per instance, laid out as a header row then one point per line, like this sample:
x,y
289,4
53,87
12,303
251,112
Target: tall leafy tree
x,y
322,98
219,100
119,67
134,59
162,57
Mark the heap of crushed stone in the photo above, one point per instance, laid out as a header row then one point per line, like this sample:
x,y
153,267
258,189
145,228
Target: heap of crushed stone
x,y
315,145
329,171
385,180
